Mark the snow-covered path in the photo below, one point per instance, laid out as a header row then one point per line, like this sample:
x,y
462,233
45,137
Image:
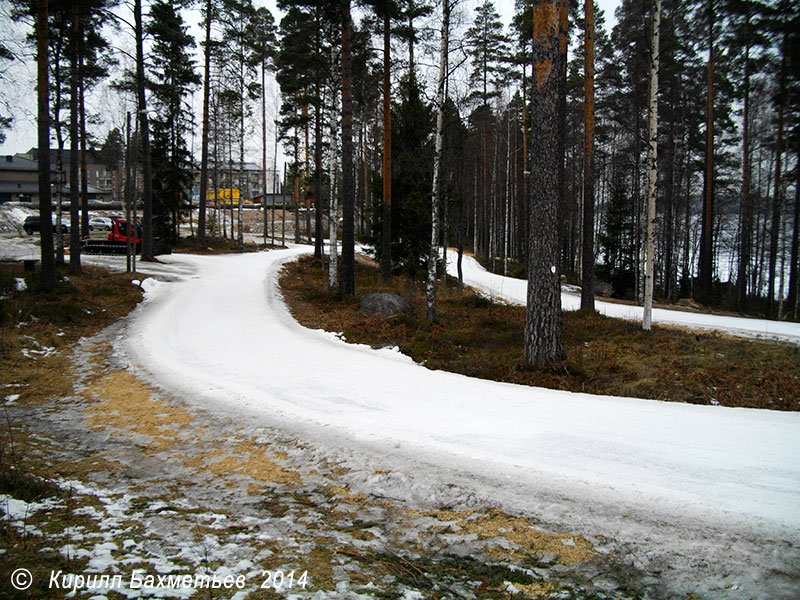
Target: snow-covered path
x,y
515,291
225,337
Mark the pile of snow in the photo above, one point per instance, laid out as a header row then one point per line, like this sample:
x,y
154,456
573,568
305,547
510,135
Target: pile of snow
x,y
12,216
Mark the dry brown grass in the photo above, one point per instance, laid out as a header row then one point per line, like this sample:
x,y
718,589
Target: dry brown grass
x,y
479,338
37,329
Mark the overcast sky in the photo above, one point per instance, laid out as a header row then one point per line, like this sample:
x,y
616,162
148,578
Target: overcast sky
x,y
19,94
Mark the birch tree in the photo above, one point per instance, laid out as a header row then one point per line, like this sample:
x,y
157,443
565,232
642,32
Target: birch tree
x,y
652,167
347,284
433,256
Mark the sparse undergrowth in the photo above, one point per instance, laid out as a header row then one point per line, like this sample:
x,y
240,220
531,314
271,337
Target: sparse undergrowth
x,y
37,328
481,338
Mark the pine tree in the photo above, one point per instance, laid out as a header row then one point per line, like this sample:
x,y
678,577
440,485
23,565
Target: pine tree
x,y
47,273
487,48
587,276
144,136
173,78
208,18
543,310
237,17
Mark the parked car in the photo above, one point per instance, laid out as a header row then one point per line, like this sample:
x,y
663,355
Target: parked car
x,y
32,224
100,224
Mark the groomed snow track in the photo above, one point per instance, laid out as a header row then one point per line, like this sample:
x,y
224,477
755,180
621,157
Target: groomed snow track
x,y
712,493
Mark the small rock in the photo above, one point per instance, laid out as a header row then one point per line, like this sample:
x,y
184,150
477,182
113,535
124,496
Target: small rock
x,y
603,289
383,305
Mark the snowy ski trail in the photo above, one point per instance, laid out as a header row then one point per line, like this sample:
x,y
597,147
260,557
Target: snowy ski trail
x,y
225,335
680,478
515,291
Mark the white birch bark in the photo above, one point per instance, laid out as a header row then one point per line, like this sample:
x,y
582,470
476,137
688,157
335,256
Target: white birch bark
x,y
652,153
437,165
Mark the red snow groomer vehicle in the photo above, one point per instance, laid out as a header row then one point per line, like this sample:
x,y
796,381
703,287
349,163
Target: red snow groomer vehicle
x,y
112,242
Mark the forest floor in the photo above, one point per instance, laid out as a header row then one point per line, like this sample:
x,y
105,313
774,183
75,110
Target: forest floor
x,y
480,338
101,473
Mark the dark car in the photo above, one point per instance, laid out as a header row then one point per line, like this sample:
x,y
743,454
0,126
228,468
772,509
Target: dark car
x,y
32,224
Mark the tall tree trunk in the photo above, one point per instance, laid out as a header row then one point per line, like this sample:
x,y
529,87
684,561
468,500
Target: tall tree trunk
x,y
347,285
543,311
319,240
242,183
745,234
84,218
201,217
411,38
777,195
264,145
587,262
47,273
433,254
144,135
386,233
669,215
507,203
794,266
706,240
652,169
74,141
333,215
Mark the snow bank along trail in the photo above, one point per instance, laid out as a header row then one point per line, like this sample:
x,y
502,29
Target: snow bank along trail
x,y
515,291
225,338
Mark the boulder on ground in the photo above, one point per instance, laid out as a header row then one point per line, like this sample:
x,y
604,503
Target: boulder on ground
x,y
383,305
603,289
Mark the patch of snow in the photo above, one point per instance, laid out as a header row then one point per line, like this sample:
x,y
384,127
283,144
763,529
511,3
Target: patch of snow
x,y
40,352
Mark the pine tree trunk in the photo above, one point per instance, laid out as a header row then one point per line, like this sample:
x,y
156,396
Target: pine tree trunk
x,y
652,169
587,262
777,195
746,225
347,286
333,216
706,240
144,135
47,273
201,218
794,266
433,254
84,218
386,233
74,141
543,311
